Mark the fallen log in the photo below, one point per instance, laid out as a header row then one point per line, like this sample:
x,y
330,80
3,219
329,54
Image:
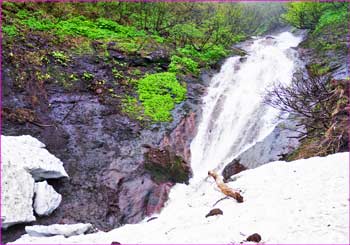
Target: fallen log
x,y
224,188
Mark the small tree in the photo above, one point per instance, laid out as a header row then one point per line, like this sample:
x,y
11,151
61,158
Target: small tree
x,y
318,103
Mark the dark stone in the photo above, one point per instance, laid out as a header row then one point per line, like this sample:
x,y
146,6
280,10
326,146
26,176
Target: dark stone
x,y
215,211
115,243
254,238
243,59
233,168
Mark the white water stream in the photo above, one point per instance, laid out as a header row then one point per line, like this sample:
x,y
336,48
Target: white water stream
x,y
234,117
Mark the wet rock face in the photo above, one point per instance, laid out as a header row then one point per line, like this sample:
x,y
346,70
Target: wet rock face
x,y
165,165
101,148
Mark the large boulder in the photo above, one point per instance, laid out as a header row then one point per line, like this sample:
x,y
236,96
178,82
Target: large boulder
x,y
275,146
46,198
24,160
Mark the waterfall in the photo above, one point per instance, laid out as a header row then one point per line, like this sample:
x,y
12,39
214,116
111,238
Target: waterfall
x,y
233,119
234,116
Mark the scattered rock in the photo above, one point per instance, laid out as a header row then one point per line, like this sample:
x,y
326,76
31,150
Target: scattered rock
x,y
243,59
24,160
254,238
46,198
57,229
215,211
233,168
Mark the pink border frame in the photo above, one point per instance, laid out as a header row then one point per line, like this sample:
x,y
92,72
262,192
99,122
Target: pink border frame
x,y
217,1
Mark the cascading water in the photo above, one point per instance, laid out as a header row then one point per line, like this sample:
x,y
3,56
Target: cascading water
x,y
234,116
233,119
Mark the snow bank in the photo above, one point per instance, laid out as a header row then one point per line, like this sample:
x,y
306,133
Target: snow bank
x,y
24,160
304,201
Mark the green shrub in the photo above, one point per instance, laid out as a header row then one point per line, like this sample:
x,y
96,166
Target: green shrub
x,y
9,30
210,55
183,64
158,93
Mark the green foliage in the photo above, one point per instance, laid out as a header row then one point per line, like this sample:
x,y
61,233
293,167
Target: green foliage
x,y
158,93
117,74
9,30
88,76
183,64
210,55
60,57
318,69
332,17
328,22
132,108
303,15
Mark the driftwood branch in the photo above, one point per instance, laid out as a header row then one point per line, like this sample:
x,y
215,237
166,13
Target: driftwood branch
x,y
224,188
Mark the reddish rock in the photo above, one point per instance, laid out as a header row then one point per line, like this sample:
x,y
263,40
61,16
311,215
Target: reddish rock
x,y
157,198
164,165
254,238
180,138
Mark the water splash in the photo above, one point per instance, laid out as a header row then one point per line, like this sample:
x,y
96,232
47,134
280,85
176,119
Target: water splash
x,y
234,116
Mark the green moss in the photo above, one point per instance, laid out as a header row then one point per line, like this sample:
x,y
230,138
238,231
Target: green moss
x,y
158,93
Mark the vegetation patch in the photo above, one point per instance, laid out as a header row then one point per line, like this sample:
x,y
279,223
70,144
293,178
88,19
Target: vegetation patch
x,y
159,93
183,65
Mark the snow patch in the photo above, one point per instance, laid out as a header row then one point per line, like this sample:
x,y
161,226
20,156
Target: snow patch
x,y
24,161
304,201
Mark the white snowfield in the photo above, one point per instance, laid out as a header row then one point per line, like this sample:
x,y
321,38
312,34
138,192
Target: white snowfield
x,y
304,201
24,160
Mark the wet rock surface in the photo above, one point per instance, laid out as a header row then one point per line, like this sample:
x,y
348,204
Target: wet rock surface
x,y
275,146
101,148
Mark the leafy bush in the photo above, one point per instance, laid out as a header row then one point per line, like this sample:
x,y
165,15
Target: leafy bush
x,y
183,64
210,55
158,93
9,30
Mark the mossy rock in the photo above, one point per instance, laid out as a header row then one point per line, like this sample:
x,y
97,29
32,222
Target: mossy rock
x,y
164,165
